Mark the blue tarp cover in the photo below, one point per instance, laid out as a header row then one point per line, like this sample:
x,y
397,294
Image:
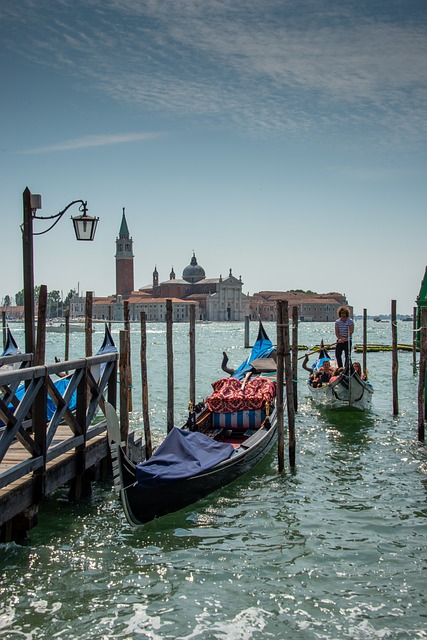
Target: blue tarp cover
x,y
262,348
181,455
61,386
12,348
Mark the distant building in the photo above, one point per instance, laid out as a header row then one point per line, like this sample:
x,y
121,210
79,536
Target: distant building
x,y
15,312
112,309
215,299
218,299
312,307
77,307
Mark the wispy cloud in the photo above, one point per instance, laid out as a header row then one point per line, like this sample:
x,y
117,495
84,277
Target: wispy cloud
x,y
93,141
276,66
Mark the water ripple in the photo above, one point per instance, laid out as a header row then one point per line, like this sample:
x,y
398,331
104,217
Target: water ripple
x,y
332,550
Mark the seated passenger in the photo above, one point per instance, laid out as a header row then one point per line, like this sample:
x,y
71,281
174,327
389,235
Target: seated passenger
x,y
323,375
358,370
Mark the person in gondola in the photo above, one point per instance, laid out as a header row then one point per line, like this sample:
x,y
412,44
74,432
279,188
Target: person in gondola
x,y
323,375
320,376
344,327
358,370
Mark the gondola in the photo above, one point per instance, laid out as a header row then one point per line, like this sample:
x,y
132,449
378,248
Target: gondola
x,y
346,389
224,437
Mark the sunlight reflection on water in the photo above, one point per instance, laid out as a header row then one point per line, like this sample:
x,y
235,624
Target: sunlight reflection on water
x,y
332,550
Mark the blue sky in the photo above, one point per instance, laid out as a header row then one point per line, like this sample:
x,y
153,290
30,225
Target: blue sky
x,y
284,140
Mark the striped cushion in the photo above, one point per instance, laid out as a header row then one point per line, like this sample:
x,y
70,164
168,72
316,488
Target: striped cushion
x,y
251,419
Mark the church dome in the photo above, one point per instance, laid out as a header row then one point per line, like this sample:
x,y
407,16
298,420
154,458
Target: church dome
x,y
194,272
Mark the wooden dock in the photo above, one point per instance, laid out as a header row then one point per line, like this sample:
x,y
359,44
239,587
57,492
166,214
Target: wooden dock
x,y
41,451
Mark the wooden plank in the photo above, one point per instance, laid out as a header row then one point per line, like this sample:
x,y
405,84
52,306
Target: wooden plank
x,y
19,495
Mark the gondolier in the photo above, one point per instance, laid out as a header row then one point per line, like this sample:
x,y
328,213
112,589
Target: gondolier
x,y
344,327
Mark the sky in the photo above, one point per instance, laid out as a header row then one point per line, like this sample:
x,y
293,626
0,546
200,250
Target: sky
x,y
284,140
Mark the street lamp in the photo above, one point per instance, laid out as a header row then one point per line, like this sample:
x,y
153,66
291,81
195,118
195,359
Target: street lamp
x,y
84,227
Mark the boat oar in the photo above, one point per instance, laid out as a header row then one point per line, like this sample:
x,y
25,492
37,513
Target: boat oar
x,y
328,346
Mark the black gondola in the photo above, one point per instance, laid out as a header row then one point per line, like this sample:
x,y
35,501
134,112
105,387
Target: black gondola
x,y
215,446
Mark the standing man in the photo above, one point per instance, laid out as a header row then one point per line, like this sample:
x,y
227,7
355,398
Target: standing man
x,y
344,327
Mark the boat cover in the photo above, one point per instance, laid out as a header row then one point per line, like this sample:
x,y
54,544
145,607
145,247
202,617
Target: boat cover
x,y
262,348
181,455
61,385
230,395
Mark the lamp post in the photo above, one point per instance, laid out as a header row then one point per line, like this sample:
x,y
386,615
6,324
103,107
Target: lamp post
x,y
84,227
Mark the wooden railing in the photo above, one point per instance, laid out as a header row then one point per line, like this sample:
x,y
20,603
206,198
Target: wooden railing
x,y
24,397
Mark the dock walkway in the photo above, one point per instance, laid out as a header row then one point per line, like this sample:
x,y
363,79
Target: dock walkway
x,y
47,438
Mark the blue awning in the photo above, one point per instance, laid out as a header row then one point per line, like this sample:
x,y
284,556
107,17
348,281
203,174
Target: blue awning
x,y
263,348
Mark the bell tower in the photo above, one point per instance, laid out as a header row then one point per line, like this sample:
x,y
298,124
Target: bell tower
x,y
124,260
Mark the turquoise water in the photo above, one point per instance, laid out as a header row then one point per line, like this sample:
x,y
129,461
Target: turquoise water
x,y
334,549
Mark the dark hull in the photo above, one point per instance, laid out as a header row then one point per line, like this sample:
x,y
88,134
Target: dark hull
x,y
142,505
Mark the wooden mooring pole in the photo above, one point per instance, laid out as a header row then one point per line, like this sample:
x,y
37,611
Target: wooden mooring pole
x,y
283,336
169,357
67,335
295,355
124,386
422,377
279,391
144,382
3,321
247,320
88,323
289,384
414,340
395,363
41,327
126,316
193,355
365,341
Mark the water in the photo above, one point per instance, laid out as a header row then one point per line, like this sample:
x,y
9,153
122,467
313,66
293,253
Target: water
x,y
335,549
